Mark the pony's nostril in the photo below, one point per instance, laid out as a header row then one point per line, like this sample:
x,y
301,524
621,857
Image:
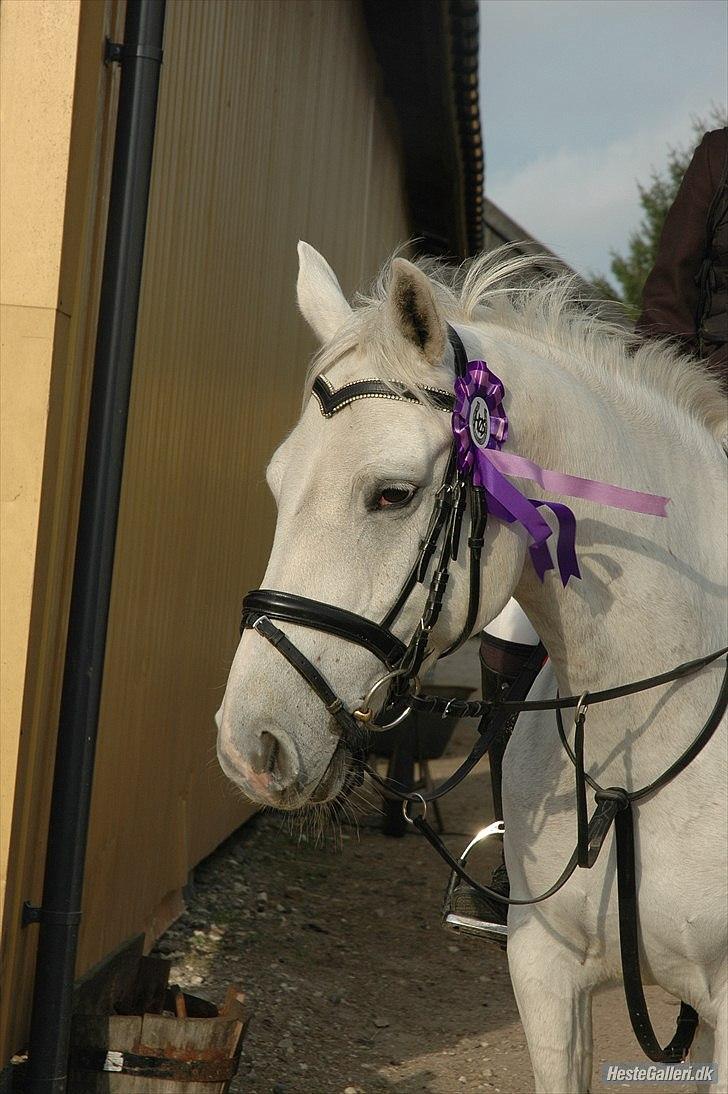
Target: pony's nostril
x,y
276,758
270,747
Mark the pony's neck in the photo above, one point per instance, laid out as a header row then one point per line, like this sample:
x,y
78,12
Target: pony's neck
x,y
651,588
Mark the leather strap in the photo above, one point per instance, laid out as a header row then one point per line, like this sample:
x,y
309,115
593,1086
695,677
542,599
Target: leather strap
x,y
460,354
609,801
478,523
489,730
687,1022
683,760
310,674
462,708
323,617
418,573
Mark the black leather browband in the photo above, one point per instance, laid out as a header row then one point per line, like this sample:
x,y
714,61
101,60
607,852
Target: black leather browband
x,y
330,401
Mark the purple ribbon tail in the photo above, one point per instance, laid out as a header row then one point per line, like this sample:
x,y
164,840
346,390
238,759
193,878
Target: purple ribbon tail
x,y
506,502
565,543
541,559
540,554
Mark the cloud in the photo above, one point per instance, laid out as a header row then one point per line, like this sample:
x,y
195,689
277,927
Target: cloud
x,y
580,100
584,202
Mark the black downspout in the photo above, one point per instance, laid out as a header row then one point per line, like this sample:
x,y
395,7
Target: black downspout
x,y
59,917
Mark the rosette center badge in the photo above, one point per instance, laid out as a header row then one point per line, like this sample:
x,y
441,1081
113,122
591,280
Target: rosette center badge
x,y
479,422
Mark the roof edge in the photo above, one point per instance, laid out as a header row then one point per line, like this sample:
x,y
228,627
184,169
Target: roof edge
x,y
428,52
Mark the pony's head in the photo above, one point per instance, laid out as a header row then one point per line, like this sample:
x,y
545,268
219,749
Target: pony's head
x,y
355,493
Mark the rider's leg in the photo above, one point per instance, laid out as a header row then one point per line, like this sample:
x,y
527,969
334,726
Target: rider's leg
x,y
505,646
501,660
553,988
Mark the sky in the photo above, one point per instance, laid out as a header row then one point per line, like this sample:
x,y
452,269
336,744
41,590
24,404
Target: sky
x,y
580,99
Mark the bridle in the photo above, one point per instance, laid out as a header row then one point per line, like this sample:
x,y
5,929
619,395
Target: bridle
x,y
404,661
442,539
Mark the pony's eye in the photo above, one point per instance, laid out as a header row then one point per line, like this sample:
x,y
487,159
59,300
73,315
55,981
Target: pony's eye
x,y
394,497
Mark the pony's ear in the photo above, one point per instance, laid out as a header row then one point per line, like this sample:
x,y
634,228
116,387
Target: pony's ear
x,y
412,306
322,303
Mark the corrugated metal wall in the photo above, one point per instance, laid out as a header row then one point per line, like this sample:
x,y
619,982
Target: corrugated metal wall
x,y
271,127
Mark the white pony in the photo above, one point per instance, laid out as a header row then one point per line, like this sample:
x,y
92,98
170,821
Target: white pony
x,y
354,495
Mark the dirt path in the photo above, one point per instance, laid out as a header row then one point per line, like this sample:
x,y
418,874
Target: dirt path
x,y
354,984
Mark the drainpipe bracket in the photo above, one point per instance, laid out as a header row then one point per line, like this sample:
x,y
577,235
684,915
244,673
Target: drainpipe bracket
x,y
33,914
113,52
118,52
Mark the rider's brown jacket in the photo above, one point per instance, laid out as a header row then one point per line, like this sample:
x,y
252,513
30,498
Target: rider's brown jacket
x,y
686,294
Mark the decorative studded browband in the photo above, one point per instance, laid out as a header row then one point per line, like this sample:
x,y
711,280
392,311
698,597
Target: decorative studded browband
x,y
331,400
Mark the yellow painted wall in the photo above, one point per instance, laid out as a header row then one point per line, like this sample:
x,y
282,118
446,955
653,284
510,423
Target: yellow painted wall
x,y
35,143
56,104
272,127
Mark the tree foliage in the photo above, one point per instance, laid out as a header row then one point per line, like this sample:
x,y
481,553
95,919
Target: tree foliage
x,y
630,269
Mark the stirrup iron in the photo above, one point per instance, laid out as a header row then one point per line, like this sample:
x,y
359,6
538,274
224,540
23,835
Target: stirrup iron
x,y
490,930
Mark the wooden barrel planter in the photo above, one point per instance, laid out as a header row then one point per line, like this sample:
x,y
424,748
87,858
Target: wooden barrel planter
x,y
161,1040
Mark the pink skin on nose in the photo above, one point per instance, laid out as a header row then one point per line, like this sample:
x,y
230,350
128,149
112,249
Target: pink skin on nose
x,y
261,784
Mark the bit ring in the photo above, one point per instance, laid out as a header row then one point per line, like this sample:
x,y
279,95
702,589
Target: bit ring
x,y
365,714
409,801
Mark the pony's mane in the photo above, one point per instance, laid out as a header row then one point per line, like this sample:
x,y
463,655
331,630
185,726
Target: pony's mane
x,y
498,288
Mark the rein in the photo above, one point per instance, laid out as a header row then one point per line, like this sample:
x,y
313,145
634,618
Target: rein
x,y
495,713
461,708
402,662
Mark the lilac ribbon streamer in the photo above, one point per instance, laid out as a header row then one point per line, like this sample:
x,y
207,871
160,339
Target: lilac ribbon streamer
x,y
485,462
506,502
618,497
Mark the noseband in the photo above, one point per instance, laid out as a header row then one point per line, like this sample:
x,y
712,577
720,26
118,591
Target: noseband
x,y
402,662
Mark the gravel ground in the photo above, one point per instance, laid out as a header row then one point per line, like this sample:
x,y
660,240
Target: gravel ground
x,y
353,984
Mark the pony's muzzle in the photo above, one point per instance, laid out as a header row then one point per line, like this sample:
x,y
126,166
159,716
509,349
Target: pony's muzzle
x,y
265,766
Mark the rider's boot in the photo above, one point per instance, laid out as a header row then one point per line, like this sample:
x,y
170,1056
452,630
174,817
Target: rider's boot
x,y
471,912
468,910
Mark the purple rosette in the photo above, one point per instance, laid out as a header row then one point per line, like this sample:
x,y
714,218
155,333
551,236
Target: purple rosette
x,y
480,428
478,382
